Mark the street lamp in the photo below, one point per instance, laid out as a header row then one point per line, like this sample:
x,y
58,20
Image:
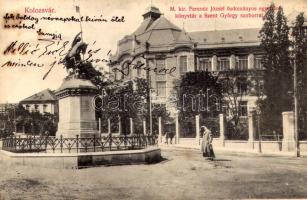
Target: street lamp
x,y
152,93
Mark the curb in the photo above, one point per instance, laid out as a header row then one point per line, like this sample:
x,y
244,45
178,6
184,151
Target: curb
x,y
238,151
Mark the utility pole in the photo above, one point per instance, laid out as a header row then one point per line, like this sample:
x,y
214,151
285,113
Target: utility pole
x,y
102,102
150,108
259,132
150,103
297,145
208,100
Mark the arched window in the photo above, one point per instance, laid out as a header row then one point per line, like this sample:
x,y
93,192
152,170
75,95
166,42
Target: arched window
x,y
125,70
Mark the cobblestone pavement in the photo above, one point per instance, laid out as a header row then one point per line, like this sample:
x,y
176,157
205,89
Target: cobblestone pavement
x,y
183,174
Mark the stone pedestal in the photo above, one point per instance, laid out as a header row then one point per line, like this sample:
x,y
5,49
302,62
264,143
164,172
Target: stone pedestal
x,y
288,142
76,109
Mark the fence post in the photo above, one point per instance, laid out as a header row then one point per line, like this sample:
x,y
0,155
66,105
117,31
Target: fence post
x,y
94,143
177,127
19,142
34,142
160,130
15,143
30,142
197,129
110,141
46,143
61,143
222,119
288,142
99,125
144,126
251,128
109,125
131,125
77,136
119,125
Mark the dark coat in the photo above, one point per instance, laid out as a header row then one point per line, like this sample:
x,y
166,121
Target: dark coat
x,y
206,145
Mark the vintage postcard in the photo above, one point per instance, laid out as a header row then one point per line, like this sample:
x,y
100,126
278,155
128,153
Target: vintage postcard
x,y
153,99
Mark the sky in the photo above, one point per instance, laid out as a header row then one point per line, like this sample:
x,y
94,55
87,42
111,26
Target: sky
x,y
17,83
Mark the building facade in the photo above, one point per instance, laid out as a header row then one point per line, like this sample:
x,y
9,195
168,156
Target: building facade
x,y
166,52
42,102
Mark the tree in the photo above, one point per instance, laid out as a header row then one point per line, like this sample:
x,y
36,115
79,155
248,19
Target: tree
x,y
19,119
235,84
278,80
192,93
299,36
129,100
88,71
197,93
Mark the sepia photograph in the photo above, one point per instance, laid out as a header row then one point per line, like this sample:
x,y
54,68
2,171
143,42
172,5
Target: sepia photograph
x,y
153,99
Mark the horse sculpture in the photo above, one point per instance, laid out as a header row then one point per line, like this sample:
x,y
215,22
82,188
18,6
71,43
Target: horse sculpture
x,y
73,58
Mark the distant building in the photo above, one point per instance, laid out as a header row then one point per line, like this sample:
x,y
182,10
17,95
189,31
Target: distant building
x,y
43,102
5,107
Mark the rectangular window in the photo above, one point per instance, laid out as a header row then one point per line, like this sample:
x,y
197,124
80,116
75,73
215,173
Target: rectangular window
x,y
161,88
139,69
223,64
35,108
183,64
44,108
2,109
242,63
126,71
242,86
225,109
258,62
116,75
160,65
243,108
205,64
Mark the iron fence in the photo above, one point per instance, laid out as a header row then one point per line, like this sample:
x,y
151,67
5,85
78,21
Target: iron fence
x,y
78,144
276,137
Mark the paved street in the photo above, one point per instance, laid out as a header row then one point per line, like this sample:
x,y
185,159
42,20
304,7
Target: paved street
x,y
184,174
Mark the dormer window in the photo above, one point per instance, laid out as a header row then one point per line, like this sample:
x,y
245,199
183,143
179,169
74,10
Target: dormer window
x,y
183,64
152,12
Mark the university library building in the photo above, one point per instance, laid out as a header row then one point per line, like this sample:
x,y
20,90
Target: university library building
x,y
161,45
